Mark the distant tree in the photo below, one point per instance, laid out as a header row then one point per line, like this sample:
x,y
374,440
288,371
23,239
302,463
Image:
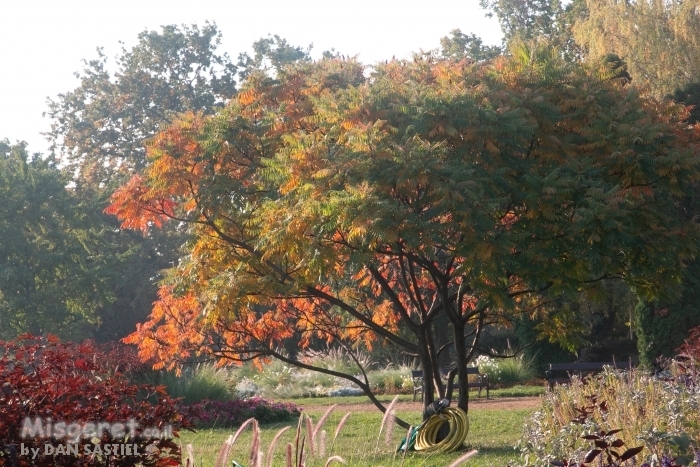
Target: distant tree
x,y
657,39
46,251
458,46
324,204
271,54
98,134
99,128
549,21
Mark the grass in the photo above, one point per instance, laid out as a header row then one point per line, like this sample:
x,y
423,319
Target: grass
x,y
492,432
202,381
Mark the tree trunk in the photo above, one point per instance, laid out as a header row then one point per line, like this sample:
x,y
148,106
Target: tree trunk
x,y
461,359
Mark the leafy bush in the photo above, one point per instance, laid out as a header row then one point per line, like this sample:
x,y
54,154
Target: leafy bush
x,y
196,383
234,412
46,379
661,414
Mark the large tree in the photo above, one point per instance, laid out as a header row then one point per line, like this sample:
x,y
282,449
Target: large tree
x,y
657,39
324,204
98,134
550,21
47,253
99,128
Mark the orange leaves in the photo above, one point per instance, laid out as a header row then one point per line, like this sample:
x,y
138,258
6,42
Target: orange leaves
x,y
247,97
135,205
172,331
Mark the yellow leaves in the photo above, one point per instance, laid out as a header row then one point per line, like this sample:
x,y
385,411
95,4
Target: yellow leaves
x,y
352,124
357,232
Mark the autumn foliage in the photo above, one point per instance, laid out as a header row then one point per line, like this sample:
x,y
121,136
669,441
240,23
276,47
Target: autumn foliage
x,y
76,383
415,207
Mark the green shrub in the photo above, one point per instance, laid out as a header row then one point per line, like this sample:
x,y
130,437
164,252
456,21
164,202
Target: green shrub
x,y
516,369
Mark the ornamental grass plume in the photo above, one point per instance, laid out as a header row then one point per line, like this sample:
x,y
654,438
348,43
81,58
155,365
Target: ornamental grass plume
x,y
388,416
224,452
322,443
340,427
318,427
336,459
310,435
459,461
390,427
273,445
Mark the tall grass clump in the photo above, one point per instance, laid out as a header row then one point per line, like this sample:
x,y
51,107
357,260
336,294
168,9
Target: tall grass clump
x,y
196,383
663,415
516,369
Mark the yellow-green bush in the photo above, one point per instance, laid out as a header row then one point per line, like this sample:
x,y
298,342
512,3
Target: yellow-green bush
x,y
661,414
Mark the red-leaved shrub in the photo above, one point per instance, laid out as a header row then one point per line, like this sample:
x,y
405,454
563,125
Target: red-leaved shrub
x,y
227,414
46,382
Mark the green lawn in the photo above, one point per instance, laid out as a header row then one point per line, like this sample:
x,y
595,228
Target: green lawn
x,y
492,432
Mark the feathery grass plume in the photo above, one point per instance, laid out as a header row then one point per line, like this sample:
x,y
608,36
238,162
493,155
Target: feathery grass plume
x,y
322,444
323,419
390,424
289,455
241,428
273,445
387,414
340,427
310,435
222,458
463,458
190,456
334,458
255,445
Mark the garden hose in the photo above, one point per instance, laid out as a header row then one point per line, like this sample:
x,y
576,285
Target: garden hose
x,y
426,440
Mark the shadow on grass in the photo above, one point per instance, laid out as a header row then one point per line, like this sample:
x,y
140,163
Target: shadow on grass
x,y
500,451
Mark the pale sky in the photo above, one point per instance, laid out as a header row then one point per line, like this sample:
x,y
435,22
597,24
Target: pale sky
x,y
42,42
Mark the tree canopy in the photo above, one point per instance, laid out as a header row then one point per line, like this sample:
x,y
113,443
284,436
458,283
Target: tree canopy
x,y
327,205
98,129
47,252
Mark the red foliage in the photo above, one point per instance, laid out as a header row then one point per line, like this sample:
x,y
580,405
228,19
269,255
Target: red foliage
x,y
43,378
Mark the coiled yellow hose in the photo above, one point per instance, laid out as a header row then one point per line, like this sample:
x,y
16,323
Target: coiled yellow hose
x,y
459,427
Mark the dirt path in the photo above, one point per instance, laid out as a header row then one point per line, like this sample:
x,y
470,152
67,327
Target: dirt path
x,y
476,404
